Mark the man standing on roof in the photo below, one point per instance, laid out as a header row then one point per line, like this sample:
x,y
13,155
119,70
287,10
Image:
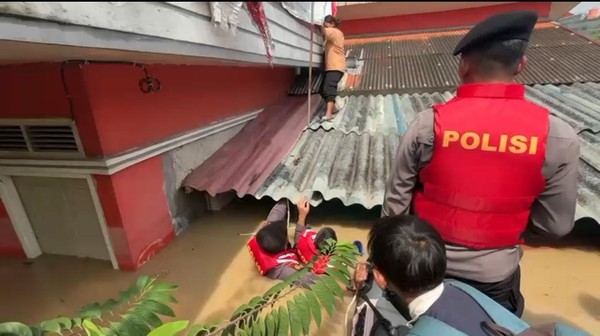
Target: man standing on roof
x,y
335,62
488,164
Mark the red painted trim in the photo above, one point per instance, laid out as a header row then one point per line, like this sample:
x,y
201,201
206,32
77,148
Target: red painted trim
x,y
9,241
453,18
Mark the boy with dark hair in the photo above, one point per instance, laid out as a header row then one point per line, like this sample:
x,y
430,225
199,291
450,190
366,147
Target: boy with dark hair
x,y
270,247
409,259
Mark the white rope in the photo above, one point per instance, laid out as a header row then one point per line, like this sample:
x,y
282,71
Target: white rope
x,y
288,213
310,64
348,313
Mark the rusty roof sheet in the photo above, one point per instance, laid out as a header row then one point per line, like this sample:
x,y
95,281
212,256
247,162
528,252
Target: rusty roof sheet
x,y
353,168
423,62
244,162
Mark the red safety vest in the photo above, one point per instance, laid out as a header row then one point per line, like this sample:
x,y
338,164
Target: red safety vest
x,y
265,262
486,168
306,246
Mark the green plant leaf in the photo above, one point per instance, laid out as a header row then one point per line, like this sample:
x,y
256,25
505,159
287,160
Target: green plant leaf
x,y
107,331
271,326
162,297
201,329
115,327
164,287
315,307
275,290
283,325
169,329
243,333
240,310
259,328
158,308
332,285
142,282
126,328
109,305
77,322
346,260
15,328
148,317
35,332
296,276
340,267
51,325
325,296
91,311
256,301
303,313
64,322
136,323
337,274
91,329
295,321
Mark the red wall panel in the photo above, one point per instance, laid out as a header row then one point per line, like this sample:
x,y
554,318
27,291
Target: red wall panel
x,y
136,210
37,91
453,18
191,96
9,242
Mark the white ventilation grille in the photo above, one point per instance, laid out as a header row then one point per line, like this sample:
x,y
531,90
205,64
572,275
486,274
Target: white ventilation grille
x,y
52,138
12,139
39,136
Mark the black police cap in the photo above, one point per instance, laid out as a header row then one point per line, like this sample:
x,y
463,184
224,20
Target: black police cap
x,y
497,28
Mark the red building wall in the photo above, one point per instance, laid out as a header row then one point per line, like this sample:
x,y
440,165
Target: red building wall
x,y
9,242
113,116
452,18
136,211
191,96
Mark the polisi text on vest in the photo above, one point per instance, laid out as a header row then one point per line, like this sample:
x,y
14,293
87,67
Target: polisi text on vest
x,y
516,144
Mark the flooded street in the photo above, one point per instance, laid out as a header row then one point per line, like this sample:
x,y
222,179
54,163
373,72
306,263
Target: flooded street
x,y
210,263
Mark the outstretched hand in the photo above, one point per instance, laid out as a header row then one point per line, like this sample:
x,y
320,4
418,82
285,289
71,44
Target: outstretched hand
x,y
303,208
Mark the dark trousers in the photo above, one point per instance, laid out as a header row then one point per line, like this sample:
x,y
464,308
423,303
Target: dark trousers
x,y
506,292
329,86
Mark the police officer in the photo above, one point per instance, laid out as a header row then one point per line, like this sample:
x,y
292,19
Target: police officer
x,y
488,164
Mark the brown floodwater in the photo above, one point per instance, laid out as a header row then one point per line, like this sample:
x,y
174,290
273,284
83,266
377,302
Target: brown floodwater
x,y
210,263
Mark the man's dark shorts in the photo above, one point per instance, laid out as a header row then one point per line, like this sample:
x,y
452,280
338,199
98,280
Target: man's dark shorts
x,y
329,86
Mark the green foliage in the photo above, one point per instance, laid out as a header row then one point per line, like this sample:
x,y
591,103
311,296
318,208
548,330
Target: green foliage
x,y
288,308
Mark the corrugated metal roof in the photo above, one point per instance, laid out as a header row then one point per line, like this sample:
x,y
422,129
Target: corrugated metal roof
x,y
389,114
351,167
244,162
326,165
423,62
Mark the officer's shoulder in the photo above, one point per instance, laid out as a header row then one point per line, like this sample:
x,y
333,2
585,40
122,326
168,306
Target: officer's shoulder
x,y
559,128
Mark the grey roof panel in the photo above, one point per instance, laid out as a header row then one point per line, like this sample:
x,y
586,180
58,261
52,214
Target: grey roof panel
x,y
351,161
389,114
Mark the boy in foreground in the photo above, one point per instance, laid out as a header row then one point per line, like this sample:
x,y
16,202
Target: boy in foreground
x,y
271,250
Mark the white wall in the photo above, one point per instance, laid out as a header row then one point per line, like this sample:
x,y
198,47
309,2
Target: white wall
x,y
162,23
